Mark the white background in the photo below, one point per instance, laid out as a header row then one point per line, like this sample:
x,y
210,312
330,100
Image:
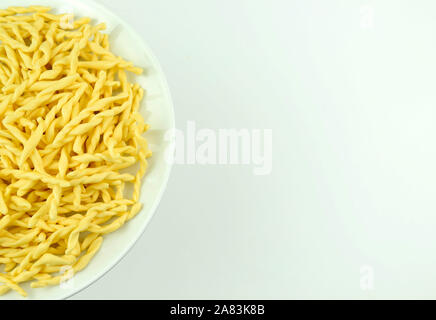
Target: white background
x,y
352,105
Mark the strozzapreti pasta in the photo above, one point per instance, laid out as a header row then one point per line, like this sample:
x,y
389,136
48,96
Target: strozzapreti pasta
x,y
69,125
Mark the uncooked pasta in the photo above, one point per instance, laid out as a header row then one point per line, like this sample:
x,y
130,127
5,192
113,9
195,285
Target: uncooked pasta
x,y
69,126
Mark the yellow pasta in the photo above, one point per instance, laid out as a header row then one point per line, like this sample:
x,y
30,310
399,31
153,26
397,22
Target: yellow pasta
x,y
69,124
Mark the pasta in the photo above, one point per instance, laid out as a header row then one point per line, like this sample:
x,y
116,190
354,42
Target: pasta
x,y
69,126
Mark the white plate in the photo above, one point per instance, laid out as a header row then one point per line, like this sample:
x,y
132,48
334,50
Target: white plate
x,y
158,112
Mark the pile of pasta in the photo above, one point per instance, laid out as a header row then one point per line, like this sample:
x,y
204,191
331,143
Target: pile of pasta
x,y
69,125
